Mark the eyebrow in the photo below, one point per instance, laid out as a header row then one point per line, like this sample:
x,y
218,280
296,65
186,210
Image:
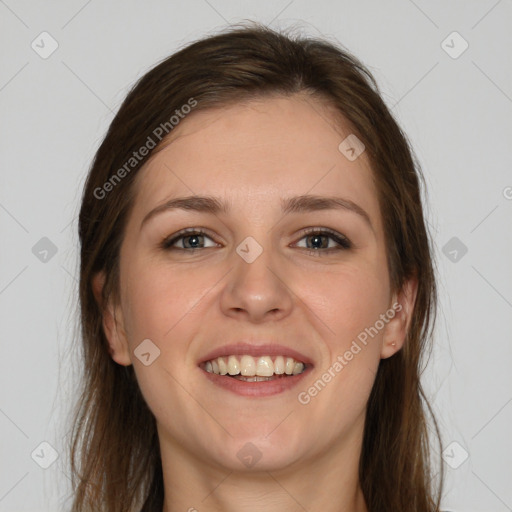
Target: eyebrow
x,y
295,204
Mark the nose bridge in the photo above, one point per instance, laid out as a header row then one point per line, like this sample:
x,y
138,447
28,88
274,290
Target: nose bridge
x,y
253,261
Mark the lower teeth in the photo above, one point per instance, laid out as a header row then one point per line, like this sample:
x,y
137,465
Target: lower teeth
x,y
257,378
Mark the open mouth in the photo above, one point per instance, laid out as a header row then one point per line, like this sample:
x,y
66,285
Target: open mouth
x,y
255,369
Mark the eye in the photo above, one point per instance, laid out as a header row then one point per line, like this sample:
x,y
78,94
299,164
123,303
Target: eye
x,y
193,238
188,239
319,241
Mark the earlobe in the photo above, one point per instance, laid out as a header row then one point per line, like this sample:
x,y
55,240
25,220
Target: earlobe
x,y
397,328
113,325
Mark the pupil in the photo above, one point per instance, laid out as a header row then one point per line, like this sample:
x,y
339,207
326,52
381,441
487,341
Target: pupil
x,y
316,239
195,239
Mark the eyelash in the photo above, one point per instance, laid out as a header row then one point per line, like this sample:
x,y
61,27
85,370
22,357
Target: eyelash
x,y
344,242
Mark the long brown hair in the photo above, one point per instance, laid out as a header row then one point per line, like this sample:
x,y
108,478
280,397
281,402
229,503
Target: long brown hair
x,y
114,451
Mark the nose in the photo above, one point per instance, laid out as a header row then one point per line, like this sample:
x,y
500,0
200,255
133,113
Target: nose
x,y
257,290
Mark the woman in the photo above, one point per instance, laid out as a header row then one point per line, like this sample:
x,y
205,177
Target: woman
x,y
256,289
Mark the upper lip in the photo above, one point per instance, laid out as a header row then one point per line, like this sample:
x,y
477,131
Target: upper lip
x,y
257,349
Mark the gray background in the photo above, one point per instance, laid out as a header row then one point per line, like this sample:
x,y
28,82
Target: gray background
x,y
456,112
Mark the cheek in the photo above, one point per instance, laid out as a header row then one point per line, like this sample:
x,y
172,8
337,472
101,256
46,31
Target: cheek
x,y
349,303
160,304
158,299
346,302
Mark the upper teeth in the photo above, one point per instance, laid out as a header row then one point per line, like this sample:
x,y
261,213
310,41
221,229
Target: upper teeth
x,y
249,366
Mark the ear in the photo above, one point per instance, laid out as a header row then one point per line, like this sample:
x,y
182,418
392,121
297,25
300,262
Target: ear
x,y
396,329
113,324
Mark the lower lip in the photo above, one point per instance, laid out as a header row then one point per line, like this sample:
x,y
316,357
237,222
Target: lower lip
x,y
256,389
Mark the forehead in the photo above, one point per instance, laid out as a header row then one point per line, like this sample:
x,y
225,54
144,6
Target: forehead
x,y
255,153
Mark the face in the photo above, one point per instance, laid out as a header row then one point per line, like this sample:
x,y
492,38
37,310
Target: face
x,y
270,276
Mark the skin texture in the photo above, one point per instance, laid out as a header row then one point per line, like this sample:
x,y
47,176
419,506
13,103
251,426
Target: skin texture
x,y
252,155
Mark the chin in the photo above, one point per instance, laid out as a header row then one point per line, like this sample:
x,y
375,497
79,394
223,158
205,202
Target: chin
x,y
260,449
